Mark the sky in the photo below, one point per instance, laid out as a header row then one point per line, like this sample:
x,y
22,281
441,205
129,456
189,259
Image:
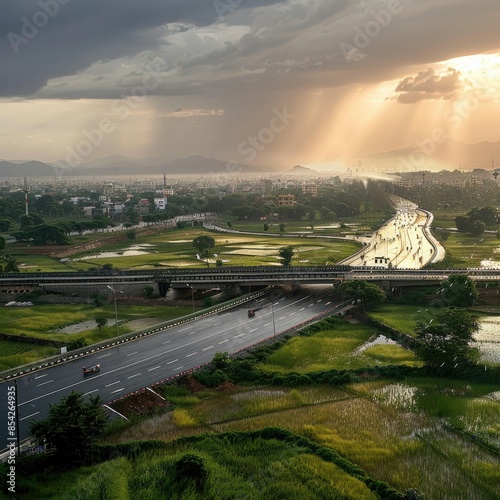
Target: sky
x,y
320,83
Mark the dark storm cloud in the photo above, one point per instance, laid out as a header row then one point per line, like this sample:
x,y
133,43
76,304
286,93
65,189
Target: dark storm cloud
x,y
44,39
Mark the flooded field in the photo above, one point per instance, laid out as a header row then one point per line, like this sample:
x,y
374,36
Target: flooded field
x,y
488,339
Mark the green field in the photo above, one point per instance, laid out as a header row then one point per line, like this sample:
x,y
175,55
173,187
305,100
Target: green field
x,y
435,435
337,349
44,320
174,249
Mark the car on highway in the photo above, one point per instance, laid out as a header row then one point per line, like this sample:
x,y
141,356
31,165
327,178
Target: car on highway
x,y
90,369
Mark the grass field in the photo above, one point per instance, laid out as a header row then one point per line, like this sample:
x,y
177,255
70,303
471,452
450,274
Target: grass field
x,y
337,349
44,321
174,249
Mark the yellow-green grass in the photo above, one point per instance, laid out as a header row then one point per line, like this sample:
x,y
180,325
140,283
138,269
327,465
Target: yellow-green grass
x,y
335,350
386,444
446,218
29,263
44,321
14,354
403,318
175,249
251,468
472,250
471,407
361,224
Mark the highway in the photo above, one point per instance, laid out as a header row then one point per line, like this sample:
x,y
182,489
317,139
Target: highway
x,y
140,363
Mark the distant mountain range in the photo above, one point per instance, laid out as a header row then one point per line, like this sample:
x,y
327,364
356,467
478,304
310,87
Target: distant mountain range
x,y
427,154
123,166
424,155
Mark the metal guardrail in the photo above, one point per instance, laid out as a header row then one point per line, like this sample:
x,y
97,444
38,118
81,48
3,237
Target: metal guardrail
x,y
128,337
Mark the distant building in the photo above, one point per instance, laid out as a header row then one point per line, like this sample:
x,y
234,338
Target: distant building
x,y
286,200
310,188
160,203
142,207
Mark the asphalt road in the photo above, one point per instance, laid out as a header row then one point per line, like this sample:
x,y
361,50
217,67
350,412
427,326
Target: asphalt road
x,y
135,365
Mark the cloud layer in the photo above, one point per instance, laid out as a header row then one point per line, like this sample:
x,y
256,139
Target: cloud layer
x,y
221,60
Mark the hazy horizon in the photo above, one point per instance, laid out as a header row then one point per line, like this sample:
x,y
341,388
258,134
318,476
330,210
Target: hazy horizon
x,y
266,82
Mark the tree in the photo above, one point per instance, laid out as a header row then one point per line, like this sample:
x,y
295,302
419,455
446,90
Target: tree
x,y
131,235
72,428
203,243
8,264
148,291
458,291
362,290
286,255
266,227
101,321
476,227
444,344
4,225
218,263
2,243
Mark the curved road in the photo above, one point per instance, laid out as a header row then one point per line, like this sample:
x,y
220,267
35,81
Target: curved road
x,y
135,365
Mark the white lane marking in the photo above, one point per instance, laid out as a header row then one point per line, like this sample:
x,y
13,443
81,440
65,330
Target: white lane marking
x,y
319,300
170,362
109,385
291,314
29,416
178,368
191,333
217,324
143,360
302,309
310,305
224,341
282,317
155,368
241,334
328,303
207,348
43,383
41,376
192,354
253,330
267,324
187,328
90,392
118,390
104,355
136,375
167,342
132,353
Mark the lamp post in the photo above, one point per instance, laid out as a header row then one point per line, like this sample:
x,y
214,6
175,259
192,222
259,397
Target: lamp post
x,y
274,324
116,309
192,295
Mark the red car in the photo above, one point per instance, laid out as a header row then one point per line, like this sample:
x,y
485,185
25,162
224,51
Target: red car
x,y
91,369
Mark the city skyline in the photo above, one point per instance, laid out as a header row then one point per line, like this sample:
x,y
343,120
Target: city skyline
x,y
265,82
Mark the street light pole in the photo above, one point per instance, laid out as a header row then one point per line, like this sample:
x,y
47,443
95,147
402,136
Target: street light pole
x,y
116,309
192,296
274,324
